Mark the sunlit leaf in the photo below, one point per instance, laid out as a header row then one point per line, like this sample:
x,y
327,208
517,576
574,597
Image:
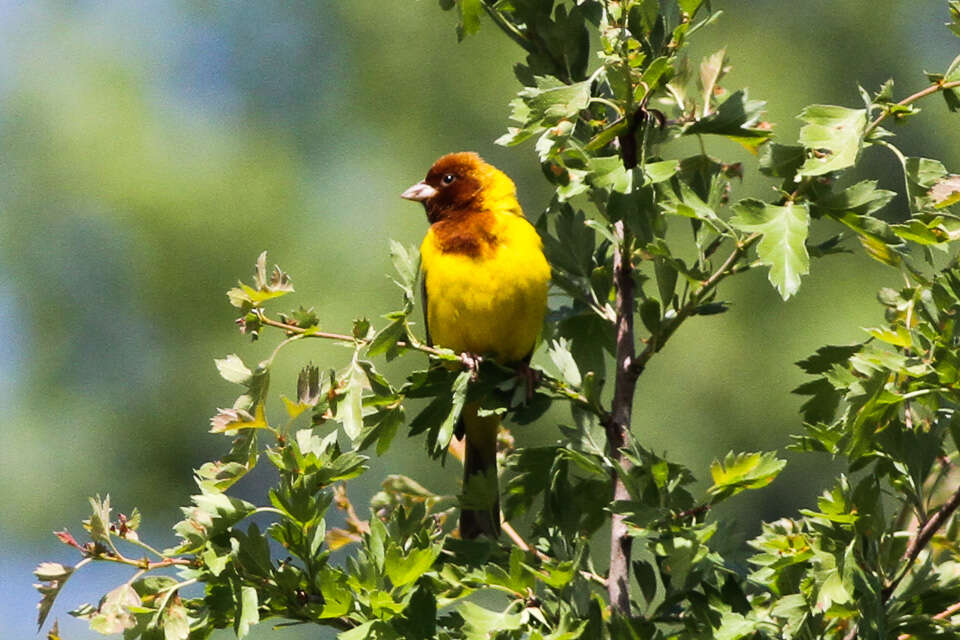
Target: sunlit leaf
x,y
783,245
738,472
833,136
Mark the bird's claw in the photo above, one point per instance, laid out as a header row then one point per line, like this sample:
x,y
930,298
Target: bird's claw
x,y
471,362
530,377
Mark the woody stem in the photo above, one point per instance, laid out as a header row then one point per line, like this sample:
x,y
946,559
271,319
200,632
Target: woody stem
x,y
618,423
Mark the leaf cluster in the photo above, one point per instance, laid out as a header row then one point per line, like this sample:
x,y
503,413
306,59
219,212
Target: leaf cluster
x,y
608,93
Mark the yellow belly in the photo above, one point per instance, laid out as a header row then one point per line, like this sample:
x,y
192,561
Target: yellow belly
x,y
492,304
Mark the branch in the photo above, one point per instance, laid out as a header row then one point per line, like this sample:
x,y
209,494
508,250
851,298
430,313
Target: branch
x,y
618,424
552,384
923,93
656,342
921,539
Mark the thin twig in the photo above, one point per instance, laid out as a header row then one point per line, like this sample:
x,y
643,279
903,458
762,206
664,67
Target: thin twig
x,y
921,539
658,340
946,613
933,88
554,385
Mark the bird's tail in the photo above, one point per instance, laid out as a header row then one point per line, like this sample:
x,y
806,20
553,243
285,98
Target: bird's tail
x,y
480,502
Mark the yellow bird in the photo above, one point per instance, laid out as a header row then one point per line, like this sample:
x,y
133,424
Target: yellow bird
x,y
485,294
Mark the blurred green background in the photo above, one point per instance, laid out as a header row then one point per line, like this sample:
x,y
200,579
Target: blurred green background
x,y
150,150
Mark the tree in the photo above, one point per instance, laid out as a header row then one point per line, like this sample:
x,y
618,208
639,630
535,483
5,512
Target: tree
x,y
608,95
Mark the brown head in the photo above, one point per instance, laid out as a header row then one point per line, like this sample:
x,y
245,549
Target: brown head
x,y
462,182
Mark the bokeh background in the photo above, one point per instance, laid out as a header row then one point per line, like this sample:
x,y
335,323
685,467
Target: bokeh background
x,y
150,150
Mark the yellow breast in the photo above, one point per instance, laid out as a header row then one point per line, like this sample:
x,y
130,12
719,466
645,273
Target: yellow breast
x,y
491,303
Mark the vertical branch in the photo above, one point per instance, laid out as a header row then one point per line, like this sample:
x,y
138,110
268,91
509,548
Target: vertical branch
x,y
618,425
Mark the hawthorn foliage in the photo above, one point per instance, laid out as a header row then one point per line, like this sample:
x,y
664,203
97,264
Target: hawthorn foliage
x,y
607,91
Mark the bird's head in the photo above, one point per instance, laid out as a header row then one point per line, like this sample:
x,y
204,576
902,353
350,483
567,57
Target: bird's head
x,y
462,182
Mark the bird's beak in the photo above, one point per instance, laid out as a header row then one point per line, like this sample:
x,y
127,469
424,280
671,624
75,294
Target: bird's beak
x,y
419,192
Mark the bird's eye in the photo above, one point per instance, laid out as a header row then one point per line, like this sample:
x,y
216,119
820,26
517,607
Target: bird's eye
x,y
449,178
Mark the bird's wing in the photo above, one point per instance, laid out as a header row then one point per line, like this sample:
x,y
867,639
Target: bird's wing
x,y
426,315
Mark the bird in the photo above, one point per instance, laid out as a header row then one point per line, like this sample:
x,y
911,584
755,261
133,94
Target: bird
x,y
485,281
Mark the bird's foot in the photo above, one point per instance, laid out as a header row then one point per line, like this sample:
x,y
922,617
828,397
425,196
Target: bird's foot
x,y
471,362
530,377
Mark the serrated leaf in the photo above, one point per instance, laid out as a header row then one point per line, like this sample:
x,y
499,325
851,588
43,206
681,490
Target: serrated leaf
x,y
470,12
712,68
833,134
783,245
780,160
337,596
405,568
387,337
263,289
545,105
735,118
863,198
738,472
458,398
559,352
405,261
899,337
350,407
54,575
481,623
99,523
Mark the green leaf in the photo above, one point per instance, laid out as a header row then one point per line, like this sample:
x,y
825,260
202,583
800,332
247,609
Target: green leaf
x,y
211,515
560,354
783,245
99,523
833,135
482,624
263,289
371,630
175,621
406,262
387,337
712,68
248,613
650,315
470,12
405,568
954,23
544,105
350,407
780,160
337,596
862,198
923,174
735,118
952,96
113,615
419,620
742,471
